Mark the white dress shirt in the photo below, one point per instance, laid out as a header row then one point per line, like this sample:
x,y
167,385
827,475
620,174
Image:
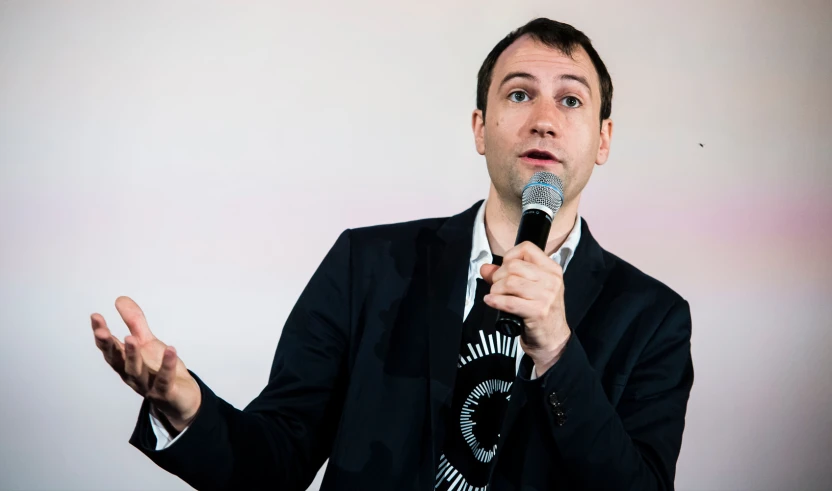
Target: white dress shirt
x,y
480,254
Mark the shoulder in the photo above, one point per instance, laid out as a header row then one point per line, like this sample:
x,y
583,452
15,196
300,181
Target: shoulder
x,y
367,246
652,312
398,231
411,232
626,278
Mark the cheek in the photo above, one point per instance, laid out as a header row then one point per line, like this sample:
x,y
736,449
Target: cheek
x,y
494,137
505,128
585,137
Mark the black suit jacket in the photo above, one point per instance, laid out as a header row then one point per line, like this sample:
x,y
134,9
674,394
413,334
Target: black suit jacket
x,y
364,374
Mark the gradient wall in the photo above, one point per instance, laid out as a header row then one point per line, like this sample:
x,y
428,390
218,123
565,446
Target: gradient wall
x,y
175,152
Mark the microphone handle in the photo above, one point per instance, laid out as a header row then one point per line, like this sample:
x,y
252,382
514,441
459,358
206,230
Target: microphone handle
x,y
534,227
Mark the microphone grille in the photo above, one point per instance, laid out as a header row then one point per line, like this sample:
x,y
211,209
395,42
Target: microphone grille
x,y
543,190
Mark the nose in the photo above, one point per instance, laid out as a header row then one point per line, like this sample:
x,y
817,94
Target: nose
x,y
545,119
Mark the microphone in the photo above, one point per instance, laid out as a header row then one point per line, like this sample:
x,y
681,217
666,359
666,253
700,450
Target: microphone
x,y
542,198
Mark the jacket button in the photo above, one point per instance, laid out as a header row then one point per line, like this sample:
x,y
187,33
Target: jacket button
x,y
553,400
557,409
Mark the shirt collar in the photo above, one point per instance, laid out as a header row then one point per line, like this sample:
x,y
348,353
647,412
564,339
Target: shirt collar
x,y
481,251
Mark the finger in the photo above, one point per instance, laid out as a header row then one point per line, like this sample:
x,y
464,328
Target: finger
x,y
521,268
487,272
132,358
100,332
115,356
520,307
134,318
163,384
531,253
518,287
110,346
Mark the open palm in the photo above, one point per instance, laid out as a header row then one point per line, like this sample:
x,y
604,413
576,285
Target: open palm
x,y
148,366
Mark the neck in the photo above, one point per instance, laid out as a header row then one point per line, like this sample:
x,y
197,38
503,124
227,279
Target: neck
x,y
502,220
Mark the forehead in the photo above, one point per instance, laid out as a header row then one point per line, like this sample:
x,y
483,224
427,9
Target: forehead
x,y
529,55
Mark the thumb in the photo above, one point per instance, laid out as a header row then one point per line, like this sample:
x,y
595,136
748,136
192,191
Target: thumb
x,y
134,318
487,271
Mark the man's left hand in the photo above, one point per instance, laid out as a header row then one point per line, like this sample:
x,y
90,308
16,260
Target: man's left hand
x,y
529,284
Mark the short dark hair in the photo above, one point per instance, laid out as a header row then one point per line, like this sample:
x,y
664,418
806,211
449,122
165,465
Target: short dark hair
x,y
557,35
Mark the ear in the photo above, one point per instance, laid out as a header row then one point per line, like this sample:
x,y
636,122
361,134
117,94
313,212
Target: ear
x,y
478,126
604,145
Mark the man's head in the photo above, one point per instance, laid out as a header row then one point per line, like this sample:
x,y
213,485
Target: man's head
x,y
544,88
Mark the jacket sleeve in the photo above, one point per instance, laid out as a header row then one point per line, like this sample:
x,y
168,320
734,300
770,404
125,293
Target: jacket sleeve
x,y
281,439
634,445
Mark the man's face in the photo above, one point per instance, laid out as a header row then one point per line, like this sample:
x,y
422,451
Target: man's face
x,y
542,99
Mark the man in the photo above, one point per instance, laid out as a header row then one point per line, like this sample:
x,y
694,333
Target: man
x,y
389,364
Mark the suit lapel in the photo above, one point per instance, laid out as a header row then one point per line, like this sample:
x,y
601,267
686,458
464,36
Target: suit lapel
x,y
448,258
584,278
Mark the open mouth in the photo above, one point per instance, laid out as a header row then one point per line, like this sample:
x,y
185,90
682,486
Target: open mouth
x,y
538,156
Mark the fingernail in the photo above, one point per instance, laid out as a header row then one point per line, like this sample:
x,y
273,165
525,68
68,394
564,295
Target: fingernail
x,y
128,347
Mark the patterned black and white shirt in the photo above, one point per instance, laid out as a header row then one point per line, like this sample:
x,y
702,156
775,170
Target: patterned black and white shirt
x,y
487,366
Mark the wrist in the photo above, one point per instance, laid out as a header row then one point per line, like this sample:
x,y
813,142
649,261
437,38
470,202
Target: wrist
x,y
548,358
173,424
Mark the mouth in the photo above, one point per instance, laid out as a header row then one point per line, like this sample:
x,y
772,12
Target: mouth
x,y
537,156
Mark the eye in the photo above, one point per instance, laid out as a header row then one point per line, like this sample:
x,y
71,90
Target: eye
x,y
572,101
514,96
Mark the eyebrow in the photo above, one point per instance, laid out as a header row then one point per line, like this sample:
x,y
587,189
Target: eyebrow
x,y
529,76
